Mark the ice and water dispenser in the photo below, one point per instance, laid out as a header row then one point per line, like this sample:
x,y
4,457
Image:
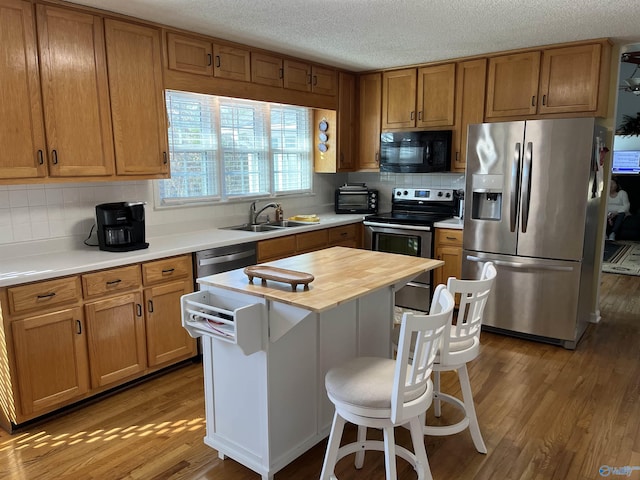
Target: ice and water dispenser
x,y
487,197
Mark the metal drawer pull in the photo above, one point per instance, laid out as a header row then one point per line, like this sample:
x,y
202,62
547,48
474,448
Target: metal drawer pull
x,y
451,238
54,154
139,309
217,61
208,59
79,325
113,282
168,271
150,306
40,157
47,295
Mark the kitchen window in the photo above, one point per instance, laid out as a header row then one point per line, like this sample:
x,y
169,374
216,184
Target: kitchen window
x,y
227,148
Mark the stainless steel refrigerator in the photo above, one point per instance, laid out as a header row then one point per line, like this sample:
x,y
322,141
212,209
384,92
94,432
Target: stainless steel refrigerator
x,y
531,207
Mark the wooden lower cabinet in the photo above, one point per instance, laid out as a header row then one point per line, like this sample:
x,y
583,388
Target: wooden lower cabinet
x,y
167,341
116,339
67,339
51,360
343,236
448,248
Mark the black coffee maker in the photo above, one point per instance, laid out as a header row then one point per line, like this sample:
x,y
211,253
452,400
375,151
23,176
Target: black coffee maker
x,y
121,226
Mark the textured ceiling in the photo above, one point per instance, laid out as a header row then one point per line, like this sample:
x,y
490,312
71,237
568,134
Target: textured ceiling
x,y
361,35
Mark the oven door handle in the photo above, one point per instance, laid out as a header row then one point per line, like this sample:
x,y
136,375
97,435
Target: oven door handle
x,y
398,226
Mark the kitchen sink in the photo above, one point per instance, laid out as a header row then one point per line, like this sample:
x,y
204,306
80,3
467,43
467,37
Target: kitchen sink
x,y
265,227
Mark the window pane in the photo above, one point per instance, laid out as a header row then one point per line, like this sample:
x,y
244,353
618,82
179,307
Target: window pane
x,y
225,148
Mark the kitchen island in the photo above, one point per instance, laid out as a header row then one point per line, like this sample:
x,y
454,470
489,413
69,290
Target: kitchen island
x,y
266,355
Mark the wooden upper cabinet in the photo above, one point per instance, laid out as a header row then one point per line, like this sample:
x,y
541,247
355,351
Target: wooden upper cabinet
x,y
137,99
512,85
436,94
569,79
267,69
23,150
545,83
189,54
370,102
470,88
323,80
309,78
231,63
76,96
399,98
347,111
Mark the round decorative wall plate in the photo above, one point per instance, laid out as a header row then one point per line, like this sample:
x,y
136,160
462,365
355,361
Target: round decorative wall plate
x,y
323,126
323,137
322,147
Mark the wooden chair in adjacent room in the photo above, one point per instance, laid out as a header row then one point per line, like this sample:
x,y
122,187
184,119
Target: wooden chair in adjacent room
x,y
383,393
460,345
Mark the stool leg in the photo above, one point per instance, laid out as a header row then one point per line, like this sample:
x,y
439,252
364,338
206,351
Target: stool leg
x,y
470,409
417,438
331,457
362,437
390,453
436,390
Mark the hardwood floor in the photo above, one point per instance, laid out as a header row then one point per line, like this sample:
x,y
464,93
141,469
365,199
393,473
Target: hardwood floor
x,y
546,414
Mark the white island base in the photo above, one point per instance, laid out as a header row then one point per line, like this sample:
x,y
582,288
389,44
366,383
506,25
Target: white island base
x,y
266,402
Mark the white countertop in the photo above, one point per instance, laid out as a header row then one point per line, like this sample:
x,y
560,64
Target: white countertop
x,y
32,261
453,223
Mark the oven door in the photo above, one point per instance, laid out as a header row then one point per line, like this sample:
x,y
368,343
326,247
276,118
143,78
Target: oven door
x,y
406,240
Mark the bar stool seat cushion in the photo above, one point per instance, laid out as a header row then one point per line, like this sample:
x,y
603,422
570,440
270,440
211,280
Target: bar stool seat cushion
x,y
366,382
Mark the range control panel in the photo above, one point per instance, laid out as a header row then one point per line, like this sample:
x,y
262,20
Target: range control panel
x,y
423,194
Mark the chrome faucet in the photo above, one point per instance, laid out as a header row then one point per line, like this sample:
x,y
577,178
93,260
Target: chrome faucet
x,y
253,215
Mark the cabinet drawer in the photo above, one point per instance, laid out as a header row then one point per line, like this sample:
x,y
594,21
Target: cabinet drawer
x,y
276,248
110,281
341,234
167,269
312,240
44,295
448,236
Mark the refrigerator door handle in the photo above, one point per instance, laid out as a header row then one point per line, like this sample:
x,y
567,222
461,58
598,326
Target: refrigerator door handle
x,y
530,266
515,178
526,185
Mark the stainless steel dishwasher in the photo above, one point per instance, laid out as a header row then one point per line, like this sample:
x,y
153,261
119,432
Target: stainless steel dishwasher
x,y
223,259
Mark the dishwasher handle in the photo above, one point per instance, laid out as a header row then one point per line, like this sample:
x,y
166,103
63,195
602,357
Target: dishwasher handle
x,y
224,258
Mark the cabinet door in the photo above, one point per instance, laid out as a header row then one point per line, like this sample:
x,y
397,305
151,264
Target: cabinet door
x,y
370,98
137,99
470,88
116,339
275,248
231,63
346,122
512,85
266,69
310,241
167,340
323,80
399,98
188,54
569,80
436,94
452,258
22,140
76,97
51,360
297,75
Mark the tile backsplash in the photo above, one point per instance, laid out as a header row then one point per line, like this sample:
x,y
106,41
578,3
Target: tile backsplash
x,y
51,211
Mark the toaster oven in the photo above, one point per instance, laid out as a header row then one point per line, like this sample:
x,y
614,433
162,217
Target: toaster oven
x,y
356,198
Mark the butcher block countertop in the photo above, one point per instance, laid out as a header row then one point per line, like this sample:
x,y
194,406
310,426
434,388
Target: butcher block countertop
x,y
341,274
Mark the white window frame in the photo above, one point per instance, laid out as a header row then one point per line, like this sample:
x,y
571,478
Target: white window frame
x,y
270,152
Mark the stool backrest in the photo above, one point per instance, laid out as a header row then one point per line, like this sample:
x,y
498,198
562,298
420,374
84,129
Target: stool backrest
x,y
414,363
473,298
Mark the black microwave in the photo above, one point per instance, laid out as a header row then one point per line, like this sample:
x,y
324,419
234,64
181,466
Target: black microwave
x,y
356,199
416,152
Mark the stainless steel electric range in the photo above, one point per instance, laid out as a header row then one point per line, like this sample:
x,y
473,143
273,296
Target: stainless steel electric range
x,y
408,229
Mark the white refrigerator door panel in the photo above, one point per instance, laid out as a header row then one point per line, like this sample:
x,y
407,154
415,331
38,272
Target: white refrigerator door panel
x,y
530,296
555,188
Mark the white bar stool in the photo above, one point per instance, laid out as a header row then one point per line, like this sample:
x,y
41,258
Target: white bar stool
x,y
460,345
384,393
